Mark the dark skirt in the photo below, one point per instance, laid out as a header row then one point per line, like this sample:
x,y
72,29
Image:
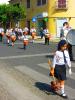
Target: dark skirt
x,y
60,72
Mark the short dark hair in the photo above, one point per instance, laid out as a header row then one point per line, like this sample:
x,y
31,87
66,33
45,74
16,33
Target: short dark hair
x,y
65,23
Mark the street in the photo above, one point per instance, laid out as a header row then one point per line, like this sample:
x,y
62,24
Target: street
x,y
24,74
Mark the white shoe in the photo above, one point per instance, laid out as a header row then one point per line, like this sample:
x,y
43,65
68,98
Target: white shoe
x,y
64,95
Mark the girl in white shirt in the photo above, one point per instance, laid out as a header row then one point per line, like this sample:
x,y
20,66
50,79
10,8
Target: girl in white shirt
x,y
61,59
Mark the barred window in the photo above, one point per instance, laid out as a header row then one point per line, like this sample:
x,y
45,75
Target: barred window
x,y
41,2
38,2
61,3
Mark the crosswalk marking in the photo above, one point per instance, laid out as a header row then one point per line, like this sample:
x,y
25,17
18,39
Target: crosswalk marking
x,y
15,88
32,73
43,78
23,56
46,66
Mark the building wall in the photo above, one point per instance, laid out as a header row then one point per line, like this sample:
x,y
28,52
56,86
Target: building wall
x,y
55,16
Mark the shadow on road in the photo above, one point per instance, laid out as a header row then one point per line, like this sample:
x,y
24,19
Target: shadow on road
x,y
45,88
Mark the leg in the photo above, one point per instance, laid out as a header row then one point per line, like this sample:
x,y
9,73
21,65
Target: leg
x,y
24,46
45,40
70,51
62,89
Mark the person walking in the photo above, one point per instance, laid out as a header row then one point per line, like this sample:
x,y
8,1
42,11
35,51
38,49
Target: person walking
x,y
58,70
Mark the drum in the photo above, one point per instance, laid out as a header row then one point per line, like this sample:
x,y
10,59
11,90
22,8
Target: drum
x,y
8,35
13,38
47,36
25,33
25,41
2,33
33,34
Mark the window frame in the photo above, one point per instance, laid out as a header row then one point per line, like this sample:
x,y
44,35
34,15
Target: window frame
x,y
41,3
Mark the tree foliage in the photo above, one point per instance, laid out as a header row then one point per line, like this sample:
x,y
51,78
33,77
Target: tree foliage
x,y
11,12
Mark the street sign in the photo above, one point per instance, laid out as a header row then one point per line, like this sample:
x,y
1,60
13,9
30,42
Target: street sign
x,y
34,19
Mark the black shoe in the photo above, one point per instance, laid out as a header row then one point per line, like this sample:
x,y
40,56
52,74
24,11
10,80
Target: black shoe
x,y
64,96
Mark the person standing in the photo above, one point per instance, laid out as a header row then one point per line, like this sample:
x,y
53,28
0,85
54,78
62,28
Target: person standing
x,y
64,31
33,33
1,33
41,32
46,34
60,60
25,30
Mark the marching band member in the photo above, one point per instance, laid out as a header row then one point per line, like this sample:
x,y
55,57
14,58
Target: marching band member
x,y
25,30
8,33
1,33
33,33
25,41
47,35
13,37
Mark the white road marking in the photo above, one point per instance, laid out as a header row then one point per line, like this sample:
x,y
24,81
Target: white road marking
x,y
23,56
46,66
16,89
43,78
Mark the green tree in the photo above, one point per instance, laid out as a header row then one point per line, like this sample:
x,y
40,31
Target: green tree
x,y
11,12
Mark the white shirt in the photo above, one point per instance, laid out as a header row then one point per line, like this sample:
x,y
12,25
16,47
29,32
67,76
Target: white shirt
x,y
33,30
1,30
59,58
45,31
25,29
66,30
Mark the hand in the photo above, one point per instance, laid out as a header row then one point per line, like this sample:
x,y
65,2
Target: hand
x,y
70,72
52,72
49,62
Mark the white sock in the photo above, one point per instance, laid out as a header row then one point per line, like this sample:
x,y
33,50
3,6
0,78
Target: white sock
x,y
8,41
62,89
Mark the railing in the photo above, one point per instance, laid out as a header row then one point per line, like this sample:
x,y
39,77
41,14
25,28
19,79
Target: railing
x,y
61,5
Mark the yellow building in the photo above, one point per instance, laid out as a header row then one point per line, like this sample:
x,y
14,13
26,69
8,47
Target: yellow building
x,y
50,13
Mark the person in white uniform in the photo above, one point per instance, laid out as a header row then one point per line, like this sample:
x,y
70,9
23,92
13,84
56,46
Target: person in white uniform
x,y
64,31
60,60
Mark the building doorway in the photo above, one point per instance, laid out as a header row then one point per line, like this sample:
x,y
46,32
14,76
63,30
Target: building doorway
x,y
59,25
41,23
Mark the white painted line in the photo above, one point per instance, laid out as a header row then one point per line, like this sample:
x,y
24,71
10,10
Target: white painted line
x,y
46,66
33,74
43,78
16,89
23,56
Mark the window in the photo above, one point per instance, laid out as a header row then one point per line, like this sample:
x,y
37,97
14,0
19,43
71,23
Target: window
x,y
38,2
28,3
41,2
62,3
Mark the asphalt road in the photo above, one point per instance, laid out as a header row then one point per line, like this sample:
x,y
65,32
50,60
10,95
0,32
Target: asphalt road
x,y
24,74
